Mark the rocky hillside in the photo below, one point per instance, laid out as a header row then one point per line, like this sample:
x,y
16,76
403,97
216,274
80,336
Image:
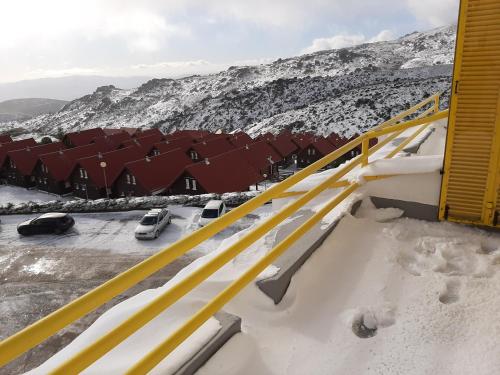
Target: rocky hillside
x,y
345,90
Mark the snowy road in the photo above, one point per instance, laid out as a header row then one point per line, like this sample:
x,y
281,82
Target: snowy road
x,y
39,274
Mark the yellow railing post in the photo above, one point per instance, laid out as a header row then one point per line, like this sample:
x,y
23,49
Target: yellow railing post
x,y
364,151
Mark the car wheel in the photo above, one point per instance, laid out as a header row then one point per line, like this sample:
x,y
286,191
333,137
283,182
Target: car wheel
x,y
169,220
58,231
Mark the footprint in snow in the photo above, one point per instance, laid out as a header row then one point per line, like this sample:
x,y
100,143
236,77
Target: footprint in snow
x,y
451,292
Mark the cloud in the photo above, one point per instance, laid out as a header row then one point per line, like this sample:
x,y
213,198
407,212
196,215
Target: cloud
x,y
346,40
46,22
434,13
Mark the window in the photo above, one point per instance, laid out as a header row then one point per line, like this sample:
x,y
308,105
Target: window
x,y
83,173
188,186
76,186
128,178
133,180
84,187
194,184
313,151
194,155
12,164
156,152
45,180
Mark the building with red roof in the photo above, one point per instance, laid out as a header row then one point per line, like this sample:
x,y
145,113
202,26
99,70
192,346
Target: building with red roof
x,y
53,170
209,148
227,172
284,146
113,140
312,149
151,175
11,146
5,138
195,134
141,133
82,137
240,139
184,143
93,177
147,142
111,131
20,164
263,158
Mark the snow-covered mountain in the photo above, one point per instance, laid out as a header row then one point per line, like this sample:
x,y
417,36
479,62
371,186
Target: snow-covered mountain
x,y
344,90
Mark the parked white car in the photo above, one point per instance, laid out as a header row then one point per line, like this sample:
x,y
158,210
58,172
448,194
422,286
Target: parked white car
x,y
212,210
153,223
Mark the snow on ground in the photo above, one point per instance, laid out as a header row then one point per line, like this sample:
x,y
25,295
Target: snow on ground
x,y
422,296
14,194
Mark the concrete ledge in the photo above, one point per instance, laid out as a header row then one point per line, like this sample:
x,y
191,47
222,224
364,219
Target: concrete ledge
x,y
230,325
412,210
290,262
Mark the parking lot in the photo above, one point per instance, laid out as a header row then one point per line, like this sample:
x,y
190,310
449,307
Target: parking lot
x,y
39,274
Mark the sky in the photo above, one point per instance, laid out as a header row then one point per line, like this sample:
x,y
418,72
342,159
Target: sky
x,y
171,38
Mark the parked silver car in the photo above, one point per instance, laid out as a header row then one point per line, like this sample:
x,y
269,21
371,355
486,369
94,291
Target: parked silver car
x,y
153,223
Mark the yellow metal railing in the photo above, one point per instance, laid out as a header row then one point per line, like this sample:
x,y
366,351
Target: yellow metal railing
x,y
33,335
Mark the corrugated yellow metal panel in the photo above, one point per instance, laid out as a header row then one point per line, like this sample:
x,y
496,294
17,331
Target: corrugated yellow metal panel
x,y
469,190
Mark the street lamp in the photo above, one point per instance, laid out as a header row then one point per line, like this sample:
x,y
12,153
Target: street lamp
x,y
103,166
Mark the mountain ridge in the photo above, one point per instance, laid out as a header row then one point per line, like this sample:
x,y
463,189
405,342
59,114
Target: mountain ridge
x,y
345,90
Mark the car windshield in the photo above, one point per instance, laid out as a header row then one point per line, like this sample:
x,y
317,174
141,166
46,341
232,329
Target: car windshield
x,y
210,213
149,220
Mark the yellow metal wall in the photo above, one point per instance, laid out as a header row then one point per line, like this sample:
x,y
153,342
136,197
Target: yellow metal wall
x,y
469,190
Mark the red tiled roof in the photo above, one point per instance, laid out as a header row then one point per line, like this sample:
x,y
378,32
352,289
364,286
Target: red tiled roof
x,y
322,145
26,158
283,144
15,145
146,142
5,138
301,140
228,172
111,131
131,131
61,163
83,137
260,155
115,163
183,143
114,140
148,132
159,172
319,143
240,139
337,140
216,146
189,133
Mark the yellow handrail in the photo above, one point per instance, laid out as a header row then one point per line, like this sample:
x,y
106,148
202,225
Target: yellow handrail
x,y
31,336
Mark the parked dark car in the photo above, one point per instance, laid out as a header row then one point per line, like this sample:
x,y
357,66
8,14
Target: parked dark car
x,y
48,223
